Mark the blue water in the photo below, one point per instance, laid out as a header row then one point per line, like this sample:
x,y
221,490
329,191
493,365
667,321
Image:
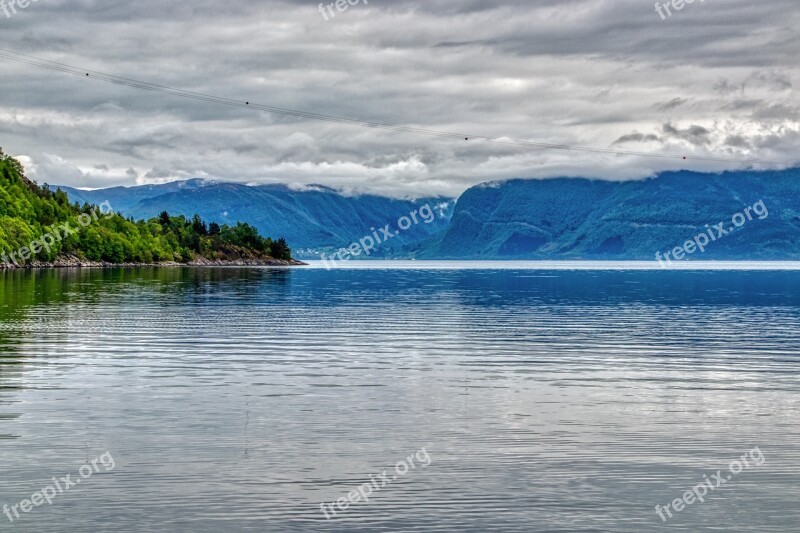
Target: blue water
x,y
548,398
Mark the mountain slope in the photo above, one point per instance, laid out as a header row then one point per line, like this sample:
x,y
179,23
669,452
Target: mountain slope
x,y
590,219
125,198
315,218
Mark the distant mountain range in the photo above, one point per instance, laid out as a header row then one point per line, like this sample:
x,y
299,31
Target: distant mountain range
x,y
313,219
592,219
564,218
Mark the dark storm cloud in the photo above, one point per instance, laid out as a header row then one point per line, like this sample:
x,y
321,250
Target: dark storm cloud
x,y
714,79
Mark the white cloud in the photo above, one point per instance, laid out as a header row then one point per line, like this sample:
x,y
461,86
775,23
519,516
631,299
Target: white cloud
x,y
585,72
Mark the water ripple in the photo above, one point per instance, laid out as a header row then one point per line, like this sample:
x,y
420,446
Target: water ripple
x,y
548,400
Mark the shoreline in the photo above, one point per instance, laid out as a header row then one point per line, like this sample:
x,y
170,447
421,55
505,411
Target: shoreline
x,y
74,262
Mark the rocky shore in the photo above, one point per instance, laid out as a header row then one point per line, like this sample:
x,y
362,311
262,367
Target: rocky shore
x,y
75,262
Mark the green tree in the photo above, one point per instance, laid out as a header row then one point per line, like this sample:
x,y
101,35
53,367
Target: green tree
x,y
281,250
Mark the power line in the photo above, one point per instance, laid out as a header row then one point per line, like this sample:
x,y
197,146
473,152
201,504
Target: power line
x,y
137,84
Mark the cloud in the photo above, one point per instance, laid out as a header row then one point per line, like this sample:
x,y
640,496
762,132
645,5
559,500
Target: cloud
x,y
694,134
672,104
637,137
713,80
737,141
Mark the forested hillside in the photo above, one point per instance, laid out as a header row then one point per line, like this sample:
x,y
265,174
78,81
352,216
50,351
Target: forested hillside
x,y
40,225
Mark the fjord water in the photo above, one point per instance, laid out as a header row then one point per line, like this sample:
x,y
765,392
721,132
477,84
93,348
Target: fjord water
x,y
548,399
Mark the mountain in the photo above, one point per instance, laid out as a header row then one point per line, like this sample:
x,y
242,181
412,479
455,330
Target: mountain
x,y
125,198
564,218
573,218
312,219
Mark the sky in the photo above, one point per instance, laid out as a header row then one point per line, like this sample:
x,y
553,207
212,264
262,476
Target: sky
x,y
716,78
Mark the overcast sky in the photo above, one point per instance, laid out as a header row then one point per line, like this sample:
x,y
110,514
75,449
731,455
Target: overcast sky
x,y
716,78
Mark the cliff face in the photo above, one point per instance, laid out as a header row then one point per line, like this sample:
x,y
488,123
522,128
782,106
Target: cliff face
x,y
581,218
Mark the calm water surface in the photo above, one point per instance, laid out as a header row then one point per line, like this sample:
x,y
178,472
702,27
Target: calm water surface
x,y
548,398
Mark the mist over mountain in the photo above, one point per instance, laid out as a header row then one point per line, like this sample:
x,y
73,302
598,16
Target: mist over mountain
x,y
311,219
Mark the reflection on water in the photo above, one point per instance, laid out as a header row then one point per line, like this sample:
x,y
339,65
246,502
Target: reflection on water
x,y
548,400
